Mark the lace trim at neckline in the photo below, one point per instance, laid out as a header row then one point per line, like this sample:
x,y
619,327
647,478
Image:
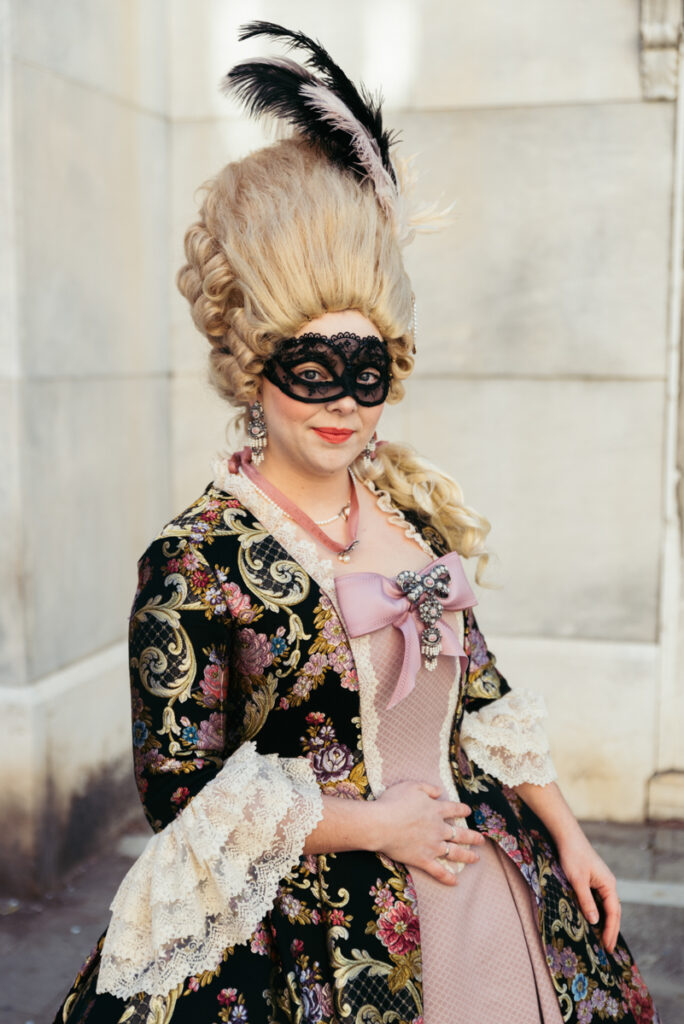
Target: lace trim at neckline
x,y
240,486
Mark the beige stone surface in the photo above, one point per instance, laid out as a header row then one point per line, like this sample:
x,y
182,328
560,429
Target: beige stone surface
x,y
97,489
666,796
497,54
566,473
203,48
422,53
200,419
53,778
12,653
557,262
113,48
9,341
93,263
602,704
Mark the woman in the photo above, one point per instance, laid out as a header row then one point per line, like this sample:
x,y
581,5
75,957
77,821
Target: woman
x,y
356,816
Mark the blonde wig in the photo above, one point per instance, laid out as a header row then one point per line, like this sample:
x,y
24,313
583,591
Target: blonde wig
x,y
284,236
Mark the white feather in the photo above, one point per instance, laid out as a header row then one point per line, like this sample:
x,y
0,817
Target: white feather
x,y
337,114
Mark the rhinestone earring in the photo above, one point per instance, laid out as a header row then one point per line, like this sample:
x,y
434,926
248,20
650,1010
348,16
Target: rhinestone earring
x,y
257,436
369,451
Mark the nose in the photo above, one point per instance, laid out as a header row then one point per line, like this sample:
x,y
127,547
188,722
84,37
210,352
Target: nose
x,y
345,404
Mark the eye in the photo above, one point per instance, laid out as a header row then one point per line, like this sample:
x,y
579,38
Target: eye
x,y
313,373
369,377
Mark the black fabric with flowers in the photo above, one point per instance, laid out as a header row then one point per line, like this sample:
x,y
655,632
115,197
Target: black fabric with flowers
x,y
250,657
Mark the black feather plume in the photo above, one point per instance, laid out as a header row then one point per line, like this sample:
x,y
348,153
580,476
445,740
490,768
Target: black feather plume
x,y
326,107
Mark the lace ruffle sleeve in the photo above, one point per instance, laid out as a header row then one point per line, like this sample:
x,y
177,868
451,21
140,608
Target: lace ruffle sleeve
x,y
505,738
501,729
205,881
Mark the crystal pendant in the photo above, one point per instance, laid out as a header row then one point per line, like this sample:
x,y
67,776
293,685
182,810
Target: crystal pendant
x,y
430,646
424,591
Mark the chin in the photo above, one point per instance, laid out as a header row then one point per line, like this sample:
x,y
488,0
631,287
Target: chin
x,y
332,461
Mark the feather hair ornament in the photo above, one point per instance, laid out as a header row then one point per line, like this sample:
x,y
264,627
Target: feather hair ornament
x,y
321,103
326,108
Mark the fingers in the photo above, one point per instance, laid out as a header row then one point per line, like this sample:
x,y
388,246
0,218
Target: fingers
x,y
457,852
612,912
465,836
586,901
449,809
446,854
433,791
611,929
441,871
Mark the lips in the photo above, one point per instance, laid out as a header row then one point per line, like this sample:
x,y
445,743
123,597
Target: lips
x,y
334,435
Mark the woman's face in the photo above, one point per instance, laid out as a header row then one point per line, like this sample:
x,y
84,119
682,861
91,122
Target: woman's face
x,y
320,438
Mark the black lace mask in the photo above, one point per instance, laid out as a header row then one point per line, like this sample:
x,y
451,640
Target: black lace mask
x,y
318,368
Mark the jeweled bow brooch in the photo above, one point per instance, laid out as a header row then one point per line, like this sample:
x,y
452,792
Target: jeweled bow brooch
x,y
424,590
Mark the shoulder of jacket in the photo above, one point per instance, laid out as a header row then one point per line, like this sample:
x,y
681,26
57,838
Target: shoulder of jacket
x,y
200,523
428,532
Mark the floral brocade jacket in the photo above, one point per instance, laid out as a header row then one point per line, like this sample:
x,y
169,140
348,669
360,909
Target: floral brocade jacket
x,y
238,653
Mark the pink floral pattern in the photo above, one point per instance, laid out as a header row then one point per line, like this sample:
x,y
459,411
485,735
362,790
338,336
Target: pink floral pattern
x,y
254,652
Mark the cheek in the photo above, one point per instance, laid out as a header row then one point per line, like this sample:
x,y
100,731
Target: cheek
x,y
280,410
371,416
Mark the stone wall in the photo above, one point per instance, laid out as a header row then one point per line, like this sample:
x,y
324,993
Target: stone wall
x,y
85,368
548,358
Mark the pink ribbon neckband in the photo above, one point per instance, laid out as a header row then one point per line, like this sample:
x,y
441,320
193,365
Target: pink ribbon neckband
x,y
369,601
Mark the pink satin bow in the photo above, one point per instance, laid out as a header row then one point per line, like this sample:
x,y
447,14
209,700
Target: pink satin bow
x,y
369,601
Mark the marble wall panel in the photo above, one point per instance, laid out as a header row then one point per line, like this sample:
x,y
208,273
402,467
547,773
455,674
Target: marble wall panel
x,y
569,474
115,48
422,53
12,650
9,341
496,54
97,489
557,259
92,206
602,701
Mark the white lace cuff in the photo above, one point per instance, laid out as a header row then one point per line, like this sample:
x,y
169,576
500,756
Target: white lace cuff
x,y
205,881
506,740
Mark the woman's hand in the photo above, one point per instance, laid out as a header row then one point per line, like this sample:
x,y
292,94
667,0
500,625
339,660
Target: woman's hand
x,y
587,871
413,828
579,860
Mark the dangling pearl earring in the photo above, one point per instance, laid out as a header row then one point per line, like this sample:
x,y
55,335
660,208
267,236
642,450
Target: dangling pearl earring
x,y
257,435
369,451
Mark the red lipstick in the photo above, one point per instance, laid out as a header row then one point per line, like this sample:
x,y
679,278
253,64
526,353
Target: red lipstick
x,y
333,434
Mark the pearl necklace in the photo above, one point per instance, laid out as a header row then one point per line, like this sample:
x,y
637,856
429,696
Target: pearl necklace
x,y
342,514
280,501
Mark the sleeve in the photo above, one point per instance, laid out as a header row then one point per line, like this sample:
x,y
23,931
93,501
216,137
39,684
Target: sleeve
x,y
229,822
501,729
